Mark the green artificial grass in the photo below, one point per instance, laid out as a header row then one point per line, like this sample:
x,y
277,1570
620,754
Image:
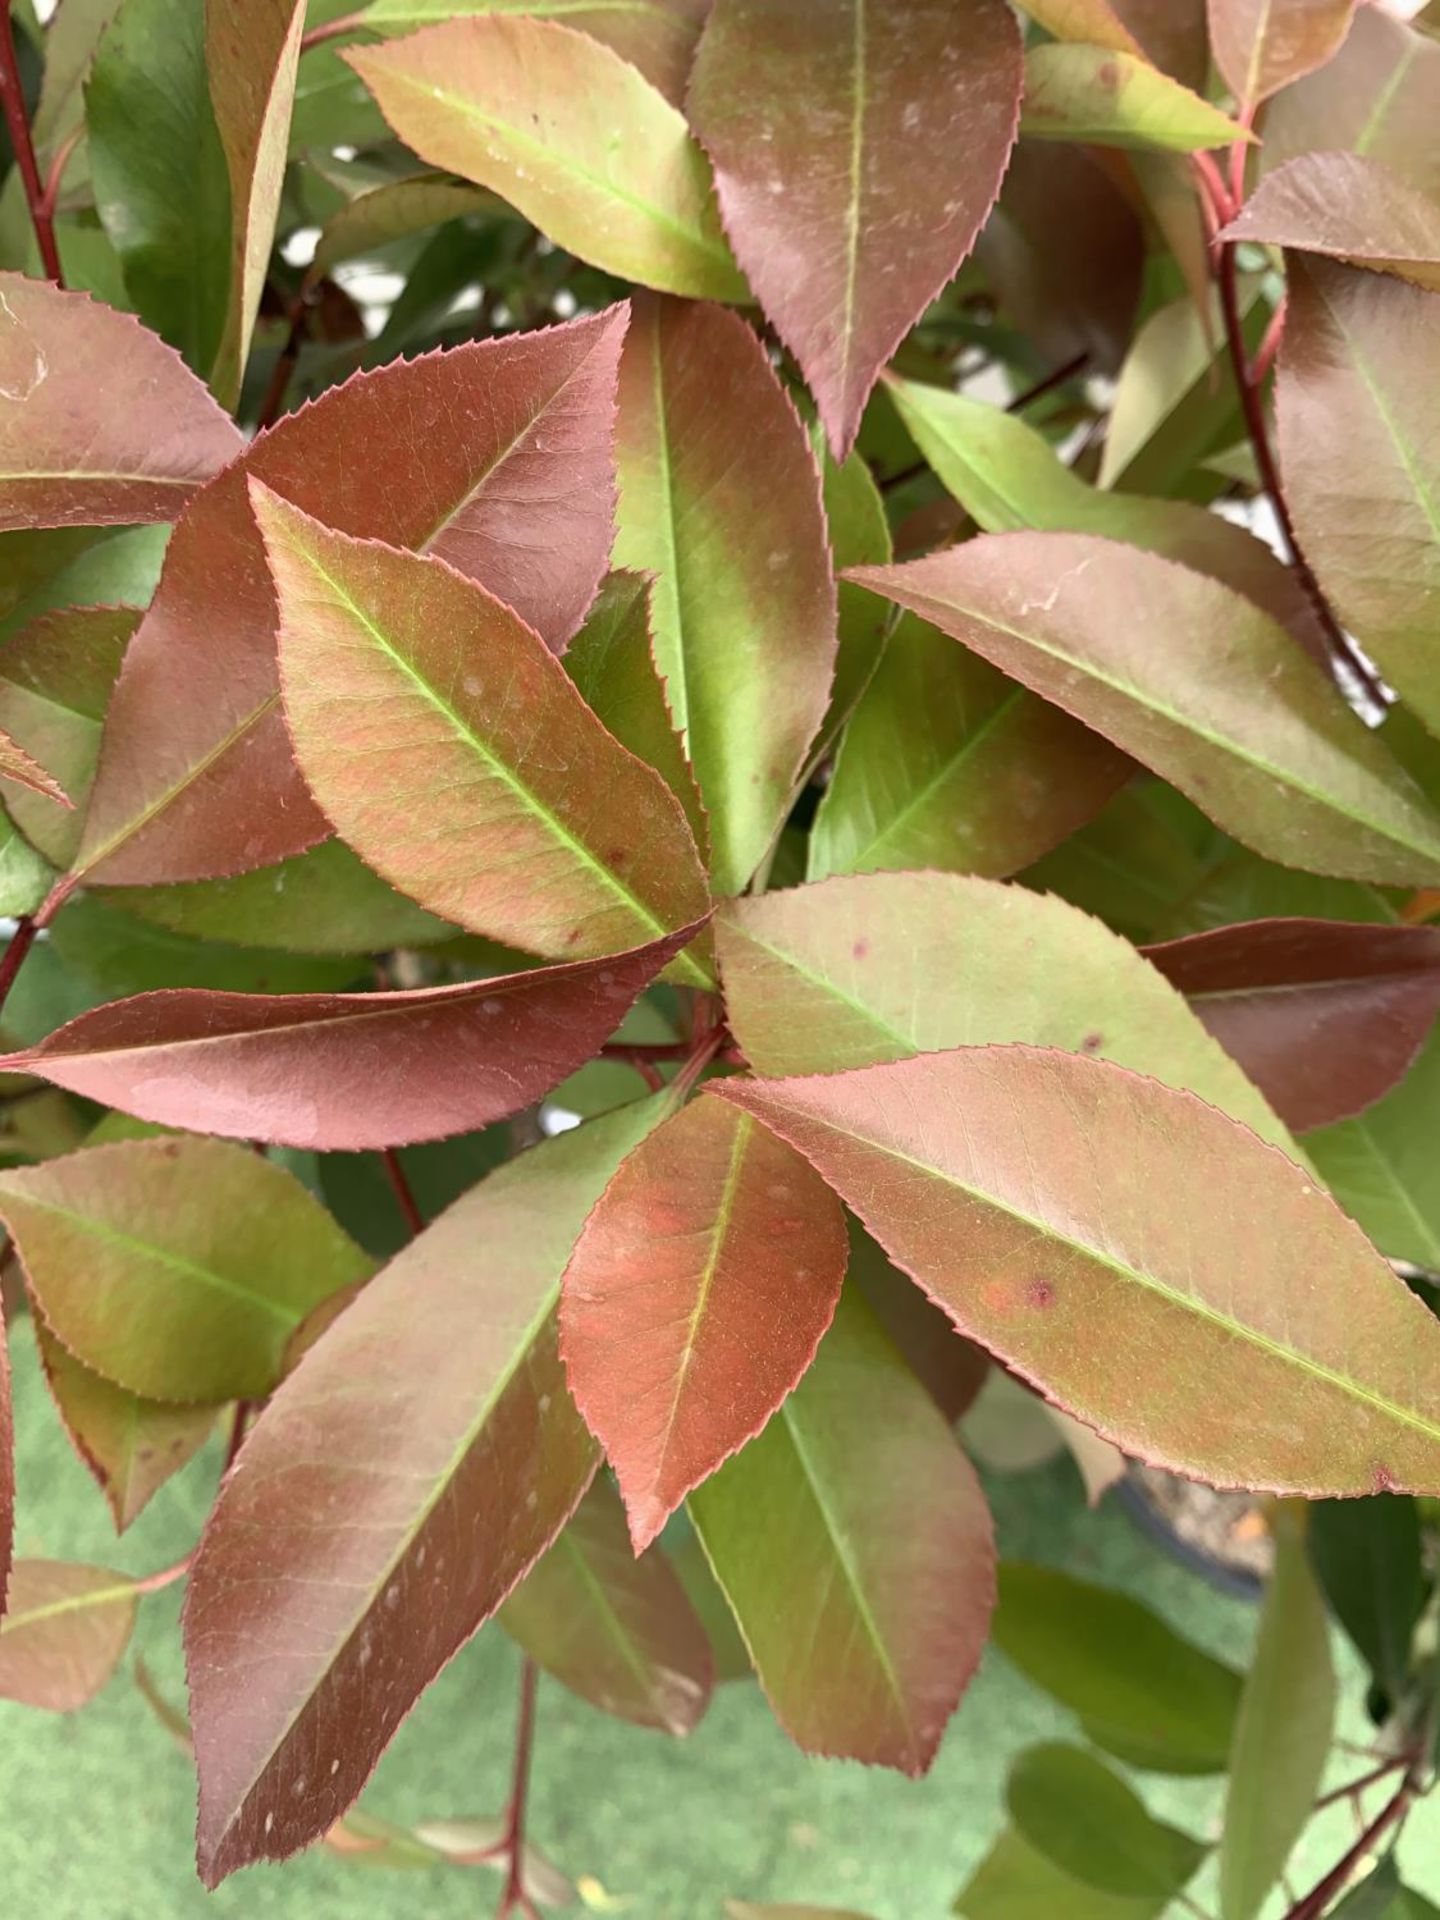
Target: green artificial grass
x,y
96,1808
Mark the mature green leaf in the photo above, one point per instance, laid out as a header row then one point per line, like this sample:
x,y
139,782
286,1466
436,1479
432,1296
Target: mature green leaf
x,y
1277,1348
1076,1811
71,37
196,778
251,59
346,1071
720,500
569,133
433,1415
1351,208
1381,1165
99,422
1176,401
612,662
854,1546
813,114
132,1446
1282,1731
859,537
1297,776
1141,1692
694,1301
1262,45
414,699
64,1632
1368,1556
1136,862
1016,1882
1169,33
1361,368
55,569
325,900
857,971
56,677
1111,98
657,36
946,763
747,1910
617,1630
113,954
1382,1897
176,1268
1238,886
161,182
25,877
392,212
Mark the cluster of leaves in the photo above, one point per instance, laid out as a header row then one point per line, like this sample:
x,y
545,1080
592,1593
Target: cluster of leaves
x,y
743,615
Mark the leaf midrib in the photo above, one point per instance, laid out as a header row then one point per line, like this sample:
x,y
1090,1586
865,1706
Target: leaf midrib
x,y
70,1603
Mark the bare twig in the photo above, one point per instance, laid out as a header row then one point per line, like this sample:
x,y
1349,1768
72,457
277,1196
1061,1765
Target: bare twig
x,y
17,121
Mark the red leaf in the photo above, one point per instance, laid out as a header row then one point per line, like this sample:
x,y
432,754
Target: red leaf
x,y
16,764
1262,45
7,1472
695,1299
1324,1015
346,1070
412,1469
858,148
63,1633
494,456
101,424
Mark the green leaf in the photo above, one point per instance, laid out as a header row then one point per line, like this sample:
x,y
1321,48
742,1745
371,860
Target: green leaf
x,y
1282,1351
747,1910
1082,1816
63,1634
1282,1731
1382,1897
1296,777
1111,98
617,1630
25,878
178,1268
854,1546
570,134
431,1415
1176,400
402,207
720,501
443,690
1015,1882
856,971
355,1188
1380,1166
1136,862
946,763
117,955
118,568
1141,1692
1367,1554
161,181
859,537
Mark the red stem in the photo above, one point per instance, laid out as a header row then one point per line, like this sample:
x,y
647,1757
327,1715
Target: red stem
x,y
1323,1892
23,938
414,1219
167,1576
331,30
514,1898
1354,1787
12,93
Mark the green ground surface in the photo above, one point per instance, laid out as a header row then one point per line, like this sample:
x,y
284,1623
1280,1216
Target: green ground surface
x,y
96,1809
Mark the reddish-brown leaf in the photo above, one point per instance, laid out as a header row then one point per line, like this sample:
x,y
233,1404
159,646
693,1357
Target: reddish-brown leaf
x,y
1350,208
1262,45
695,1299
101,424
1243,1332
1324,1015
17,765
618,1630
411,1470
494,456
816,114
450,749
63,1633
7,1472
346,1070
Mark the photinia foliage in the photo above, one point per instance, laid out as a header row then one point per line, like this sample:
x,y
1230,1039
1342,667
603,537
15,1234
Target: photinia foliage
x,y
717,717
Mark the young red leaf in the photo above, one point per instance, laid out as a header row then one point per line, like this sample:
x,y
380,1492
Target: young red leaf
x,y
1262,45
63,1632
7,1472
177,1268
101,424
1360,368
1325,1016
855,1547
415,700
861,970
1349,207
251,57
617,1630
695,1299
1145,1261
17,765
433,1417
1296,775
131,1446
570,134
720,501
817,116
347,1070
196,774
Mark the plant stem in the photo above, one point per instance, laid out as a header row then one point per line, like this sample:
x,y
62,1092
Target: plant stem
x,y
514,1898
274,401
1354,1787
331,30
42,211
414,1219
237,1433
26,928
1323,1892
167,1576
